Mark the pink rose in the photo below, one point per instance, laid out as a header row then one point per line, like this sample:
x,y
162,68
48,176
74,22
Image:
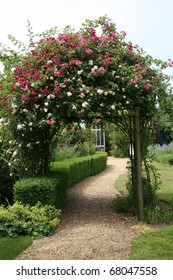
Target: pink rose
x,y
147,86
89,51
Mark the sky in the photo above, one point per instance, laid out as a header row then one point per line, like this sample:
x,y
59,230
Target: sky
x,y
148,23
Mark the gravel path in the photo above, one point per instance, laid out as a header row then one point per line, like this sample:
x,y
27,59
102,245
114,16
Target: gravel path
x,y
89,229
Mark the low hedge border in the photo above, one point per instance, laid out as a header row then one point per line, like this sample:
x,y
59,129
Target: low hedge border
x,y
74,170
52,189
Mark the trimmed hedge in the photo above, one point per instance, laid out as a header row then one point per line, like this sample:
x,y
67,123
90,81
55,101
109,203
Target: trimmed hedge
x,y
47,190
52,190
72,171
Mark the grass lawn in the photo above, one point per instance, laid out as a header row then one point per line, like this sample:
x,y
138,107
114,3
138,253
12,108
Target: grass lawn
x,y
166,190
11,247
156,245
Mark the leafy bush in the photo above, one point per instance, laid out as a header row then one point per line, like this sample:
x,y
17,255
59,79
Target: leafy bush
x,y
20,219
47,190
122,204
65,153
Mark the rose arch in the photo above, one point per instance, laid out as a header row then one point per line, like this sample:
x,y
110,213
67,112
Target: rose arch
x,y
89,75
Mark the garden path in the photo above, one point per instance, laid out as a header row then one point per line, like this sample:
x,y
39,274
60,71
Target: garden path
x,y
89,228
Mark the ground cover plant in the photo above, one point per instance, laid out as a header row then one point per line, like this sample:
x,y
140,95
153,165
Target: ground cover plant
x,y
36,221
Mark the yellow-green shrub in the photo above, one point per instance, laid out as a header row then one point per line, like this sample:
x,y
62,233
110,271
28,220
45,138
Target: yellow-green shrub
x,y
20,219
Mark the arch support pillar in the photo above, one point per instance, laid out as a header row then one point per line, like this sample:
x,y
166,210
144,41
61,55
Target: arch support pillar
x,y
138,165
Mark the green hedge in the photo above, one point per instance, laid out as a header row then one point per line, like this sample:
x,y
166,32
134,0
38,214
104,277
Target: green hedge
x,y
52,189
72,171
47,190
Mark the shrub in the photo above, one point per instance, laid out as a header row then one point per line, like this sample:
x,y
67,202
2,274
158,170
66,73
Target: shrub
x,y
122,204
20,219
47,190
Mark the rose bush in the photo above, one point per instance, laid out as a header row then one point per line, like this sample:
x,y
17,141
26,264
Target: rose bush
x,y
78,76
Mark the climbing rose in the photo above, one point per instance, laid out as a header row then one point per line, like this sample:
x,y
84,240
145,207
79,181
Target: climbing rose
x,y
147,86
89,51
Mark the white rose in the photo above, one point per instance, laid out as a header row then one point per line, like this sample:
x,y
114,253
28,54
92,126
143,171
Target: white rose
x,y
69,94
14,154
94,68
113,107
19,126
2,120
84,104
99,91
13,105
28,145
80,72
90,62
49,62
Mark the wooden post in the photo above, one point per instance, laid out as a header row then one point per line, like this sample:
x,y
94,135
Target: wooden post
x,y
138,165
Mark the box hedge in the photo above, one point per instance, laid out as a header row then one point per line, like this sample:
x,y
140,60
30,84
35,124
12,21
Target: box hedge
x,y
52,189
47,190
76,169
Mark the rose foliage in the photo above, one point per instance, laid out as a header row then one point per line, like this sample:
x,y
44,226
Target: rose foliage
x,y
87,75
